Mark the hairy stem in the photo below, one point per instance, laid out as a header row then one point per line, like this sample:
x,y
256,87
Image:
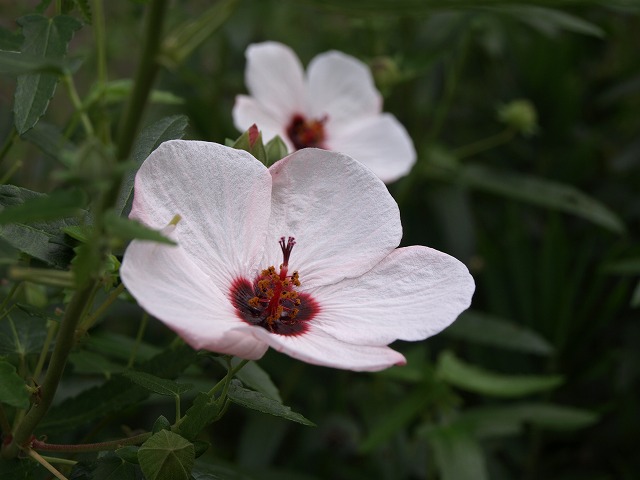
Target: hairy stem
x,y
91,447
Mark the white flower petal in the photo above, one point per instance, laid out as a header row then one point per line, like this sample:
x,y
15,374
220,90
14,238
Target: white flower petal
x,y
168,285
275,78
412,294
318,348
341,87
342,216
247,111
222,195
380,142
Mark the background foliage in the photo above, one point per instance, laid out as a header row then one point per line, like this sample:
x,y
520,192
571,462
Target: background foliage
x,y
525,121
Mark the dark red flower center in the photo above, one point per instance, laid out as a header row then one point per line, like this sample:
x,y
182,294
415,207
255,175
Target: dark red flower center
x,y
304,132
272,300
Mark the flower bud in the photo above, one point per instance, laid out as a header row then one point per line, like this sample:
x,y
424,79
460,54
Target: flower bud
x,y
520,115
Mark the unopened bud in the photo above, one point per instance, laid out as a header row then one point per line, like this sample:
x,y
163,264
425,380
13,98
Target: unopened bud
x,y
520,115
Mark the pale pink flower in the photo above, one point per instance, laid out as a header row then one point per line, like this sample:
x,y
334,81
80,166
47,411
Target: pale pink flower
x,y
300,257
335,106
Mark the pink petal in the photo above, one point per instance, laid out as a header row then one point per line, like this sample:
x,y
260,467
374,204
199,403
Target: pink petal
x,y
247,111
412,294
341,87
380,142
223,197
342,217
318,348
170,286
275,78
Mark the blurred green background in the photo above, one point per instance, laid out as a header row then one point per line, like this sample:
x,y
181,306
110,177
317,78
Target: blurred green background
x,y
541,378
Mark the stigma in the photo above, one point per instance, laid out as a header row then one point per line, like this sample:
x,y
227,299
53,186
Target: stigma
x,y
273,301
304,132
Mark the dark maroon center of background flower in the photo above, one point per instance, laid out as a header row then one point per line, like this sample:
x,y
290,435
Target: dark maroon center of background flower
x,y
272,301
304,132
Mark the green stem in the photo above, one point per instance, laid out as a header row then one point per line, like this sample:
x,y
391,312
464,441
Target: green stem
x,y
100,41
8,298
12,170
6,146
141,329
144,77
51,331
230,374
90,319
91,447
64,343
77,103
485,144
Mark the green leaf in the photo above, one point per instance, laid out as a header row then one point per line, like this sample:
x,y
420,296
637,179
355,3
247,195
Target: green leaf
x,y
166,456
169,128
50,140
396,418
41,240
112,467
254,377
203,411
127,229
276,149
115,394
158,385
474,379
47,38
258,401
117,91
17,469
13,390
22,334
541,192
120,346
161,423
549,21
39,208
457,454
10,41
18,63
627,266
504,420
128,453
86,362
483,329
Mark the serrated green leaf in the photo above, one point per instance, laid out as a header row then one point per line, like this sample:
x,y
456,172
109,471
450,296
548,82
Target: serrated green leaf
x,y
541,192
50,140
21,333
457,454
254,377
483,329
18,63
166,456
86,362
42,208
10,41
13,390
112,467
169,128
474,379
47,38
257,401
158,385
203,411
115,394
128,229
41,240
